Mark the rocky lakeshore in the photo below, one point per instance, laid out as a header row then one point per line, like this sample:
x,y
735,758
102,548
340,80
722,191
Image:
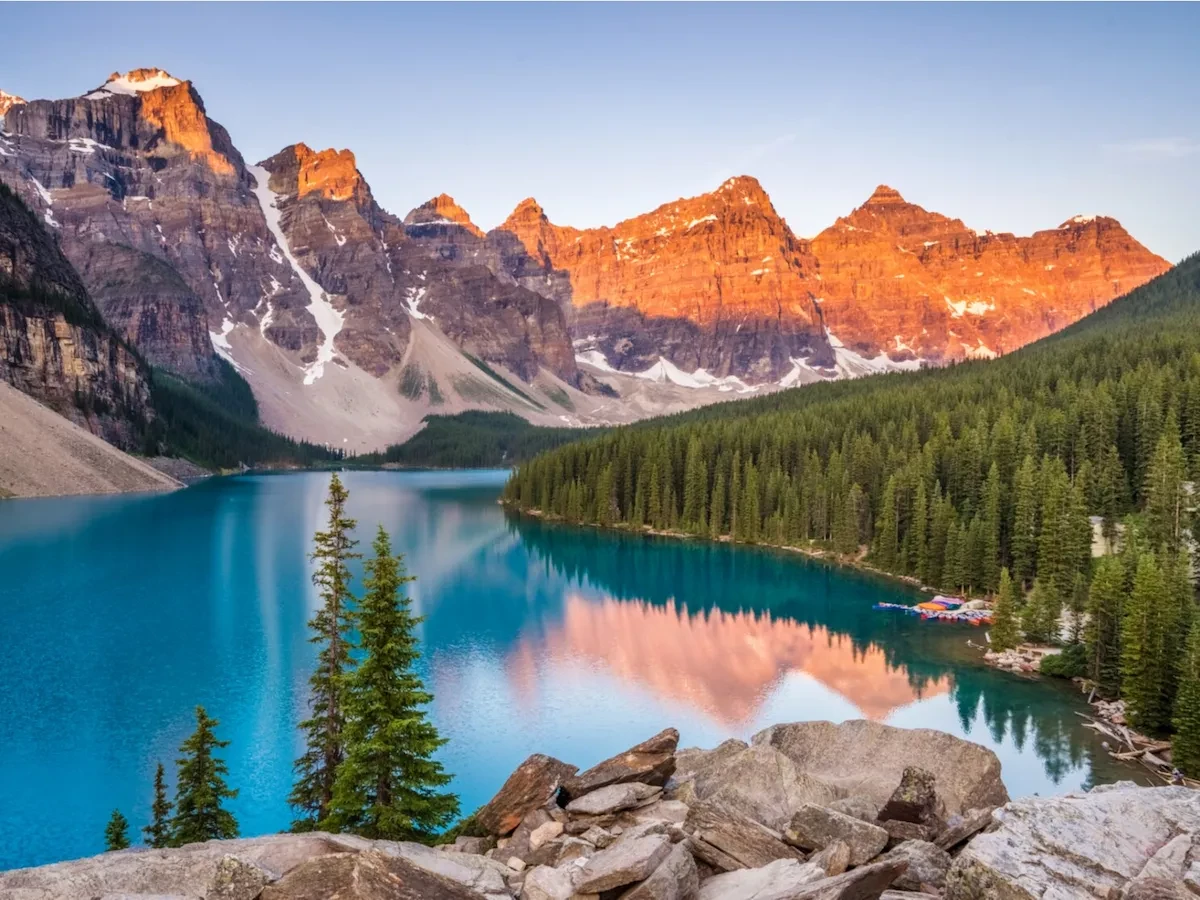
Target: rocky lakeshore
x,y
805,811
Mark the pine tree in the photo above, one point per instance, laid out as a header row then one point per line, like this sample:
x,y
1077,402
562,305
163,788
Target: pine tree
x,y
992,522
716,513
920,528
1042,612
1166,499
1142,670
695,488
1102,635
1185,746
387,786
116,832
201,787
158,832
887,529
325,745
1024,535
1006,629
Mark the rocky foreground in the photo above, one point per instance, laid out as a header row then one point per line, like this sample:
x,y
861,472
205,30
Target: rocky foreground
x,y
805,811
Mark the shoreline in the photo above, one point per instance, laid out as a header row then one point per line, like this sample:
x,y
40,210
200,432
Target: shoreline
x,y
856,564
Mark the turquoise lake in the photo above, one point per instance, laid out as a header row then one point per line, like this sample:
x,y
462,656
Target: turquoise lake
x,y
123,613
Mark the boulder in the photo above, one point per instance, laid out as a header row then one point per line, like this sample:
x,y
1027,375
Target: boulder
x,y
562,849
727,841
189,871
834,859
1142,888
612,798
899,832
676,878
864,883
927,865
757,782
963,827
547,831
237,880
650,762
658,810
598,837
623,863
906,895
779,880
531,786
545,883
858,807
814,828
1089,844
915,800
464,844
364,876
478,873
867,759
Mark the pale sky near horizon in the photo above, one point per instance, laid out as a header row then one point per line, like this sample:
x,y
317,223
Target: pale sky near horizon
x,y
1010,117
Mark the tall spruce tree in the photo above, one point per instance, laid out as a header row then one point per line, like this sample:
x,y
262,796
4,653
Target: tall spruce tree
x,y
1143,673
1102,635
388,784
116,832
1185,746
1166,497
325,743
201,788
158,832
1006,626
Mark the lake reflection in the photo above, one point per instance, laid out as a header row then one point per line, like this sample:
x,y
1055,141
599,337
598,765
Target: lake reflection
x,y
537,638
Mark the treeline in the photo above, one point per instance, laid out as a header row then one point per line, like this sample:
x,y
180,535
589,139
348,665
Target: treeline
x,y
950,476
216,425
474,439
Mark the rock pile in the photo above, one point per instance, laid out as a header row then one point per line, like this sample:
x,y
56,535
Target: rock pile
x,y
808,811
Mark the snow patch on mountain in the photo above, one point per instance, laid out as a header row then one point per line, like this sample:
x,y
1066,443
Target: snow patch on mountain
x,y
328,319
139,81
851,364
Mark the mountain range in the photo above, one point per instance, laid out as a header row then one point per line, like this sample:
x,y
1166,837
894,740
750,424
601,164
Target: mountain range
x,y
351,323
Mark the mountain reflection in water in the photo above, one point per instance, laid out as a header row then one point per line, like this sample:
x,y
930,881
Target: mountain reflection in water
x,y
719,663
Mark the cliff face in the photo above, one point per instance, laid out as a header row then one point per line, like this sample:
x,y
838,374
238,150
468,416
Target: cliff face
x,y
908,282
365,260
719,282
54,346
134,173
716,282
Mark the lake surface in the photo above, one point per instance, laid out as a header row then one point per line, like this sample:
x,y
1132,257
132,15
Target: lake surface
x,y
122,613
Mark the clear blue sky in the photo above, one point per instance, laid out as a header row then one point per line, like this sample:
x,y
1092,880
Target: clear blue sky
x,y
1011,117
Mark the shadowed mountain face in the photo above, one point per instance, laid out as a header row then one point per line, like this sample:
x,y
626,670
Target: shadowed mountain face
x,y
54,345
351,324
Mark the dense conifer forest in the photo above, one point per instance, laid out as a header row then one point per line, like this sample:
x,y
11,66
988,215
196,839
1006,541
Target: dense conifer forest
x,y
216,425
475,439
960,477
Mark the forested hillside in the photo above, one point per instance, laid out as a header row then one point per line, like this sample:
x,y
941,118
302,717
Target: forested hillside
x,y
952,475
474,439
215,424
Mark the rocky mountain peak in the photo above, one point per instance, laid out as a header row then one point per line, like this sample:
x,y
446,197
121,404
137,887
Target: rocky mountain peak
x,y
8,101
527,211
741,189
133,82
442,210
885,196
331,173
